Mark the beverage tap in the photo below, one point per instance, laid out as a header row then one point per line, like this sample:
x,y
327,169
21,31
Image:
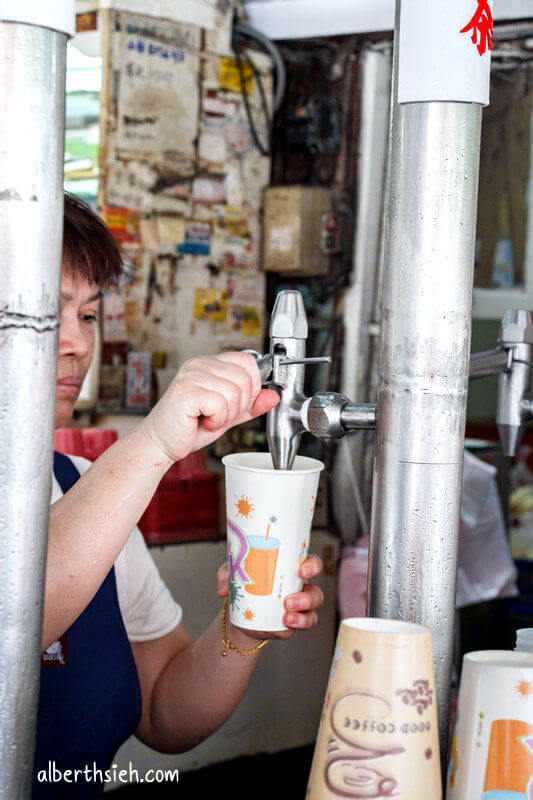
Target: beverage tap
x,y
512,360
328,415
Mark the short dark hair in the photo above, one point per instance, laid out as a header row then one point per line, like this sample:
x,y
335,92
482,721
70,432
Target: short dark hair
x,y
89,249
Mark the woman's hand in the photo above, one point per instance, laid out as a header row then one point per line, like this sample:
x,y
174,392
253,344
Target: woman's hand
x,y
300,608
208,396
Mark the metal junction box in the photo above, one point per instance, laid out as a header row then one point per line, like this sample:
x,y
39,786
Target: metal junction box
x,y
293,229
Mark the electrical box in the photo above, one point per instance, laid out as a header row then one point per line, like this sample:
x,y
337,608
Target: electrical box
x,y
293,229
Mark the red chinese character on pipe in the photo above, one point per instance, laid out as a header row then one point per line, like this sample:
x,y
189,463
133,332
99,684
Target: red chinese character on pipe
x,y
482,27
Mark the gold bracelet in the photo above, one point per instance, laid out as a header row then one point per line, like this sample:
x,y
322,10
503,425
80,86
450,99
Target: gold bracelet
x,y
228,644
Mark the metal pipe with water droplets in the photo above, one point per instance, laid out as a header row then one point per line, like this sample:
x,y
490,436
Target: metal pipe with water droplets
x,y
424,363
32,108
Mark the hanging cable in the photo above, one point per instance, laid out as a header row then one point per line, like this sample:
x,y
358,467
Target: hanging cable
x,y
263,148
246,32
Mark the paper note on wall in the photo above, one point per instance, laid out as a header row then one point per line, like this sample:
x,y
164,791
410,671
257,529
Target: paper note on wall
x,y
232,252
122,222
281,239
171,230
158,95
246,288
114,316
197,239
212,147
207,189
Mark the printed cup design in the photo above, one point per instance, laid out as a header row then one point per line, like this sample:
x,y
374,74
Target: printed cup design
x,y
260,564
509,774
378,736
492,748
269,516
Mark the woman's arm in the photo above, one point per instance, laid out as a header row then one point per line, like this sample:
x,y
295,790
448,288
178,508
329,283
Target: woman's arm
x,y
91,522
189,689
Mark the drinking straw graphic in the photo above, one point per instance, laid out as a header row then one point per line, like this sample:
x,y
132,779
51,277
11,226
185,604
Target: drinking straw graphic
x,y
271,522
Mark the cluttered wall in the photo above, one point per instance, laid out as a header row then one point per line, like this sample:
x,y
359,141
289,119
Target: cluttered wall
x,y
182,174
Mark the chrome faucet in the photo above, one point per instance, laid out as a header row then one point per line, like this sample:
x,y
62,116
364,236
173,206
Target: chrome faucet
x,y
512,360
327,414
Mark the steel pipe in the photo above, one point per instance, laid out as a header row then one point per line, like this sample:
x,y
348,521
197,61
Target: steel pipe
x,y
490,362
358,416
32,103
424,365
365,280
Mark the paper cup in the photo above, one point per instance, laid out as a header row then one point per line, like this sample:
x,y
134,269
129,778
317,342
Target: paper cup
x,y
378,735
492,747
269,516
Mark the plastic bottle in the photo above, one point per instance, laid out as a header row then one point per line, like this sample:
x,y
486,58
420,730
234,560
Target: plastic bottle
x,y
524,640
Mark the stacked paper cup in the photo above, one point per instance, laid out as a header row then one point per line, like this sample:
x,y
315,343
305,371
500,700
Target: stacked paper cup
x,y
378,736
492,748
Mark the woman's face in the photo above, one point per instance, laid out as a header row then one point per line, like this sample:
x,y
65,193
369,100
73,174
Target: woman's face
x,y
80,302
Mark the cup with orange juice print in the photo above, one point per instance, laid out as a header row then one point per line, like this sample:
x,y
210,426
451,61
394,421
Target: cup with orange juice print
x,y
492,752
269,516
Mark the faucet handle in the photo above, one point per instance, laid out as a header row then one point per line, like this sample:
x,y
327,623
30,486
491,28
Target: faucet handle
x,y
311,360
264,363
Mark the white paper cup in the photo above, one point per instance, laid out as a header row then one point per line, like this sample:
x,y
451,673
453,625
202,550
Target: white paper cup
x,y
269,516
492,747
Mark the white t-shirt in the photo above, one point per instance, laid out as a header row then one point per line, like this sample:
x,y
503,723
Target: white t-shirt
x,y
147,607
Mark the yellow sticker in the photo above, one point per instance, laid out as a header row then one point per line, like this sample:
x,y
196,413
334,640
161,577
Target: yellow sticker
x,y
251,321
233,214
246,320
229,76
210,304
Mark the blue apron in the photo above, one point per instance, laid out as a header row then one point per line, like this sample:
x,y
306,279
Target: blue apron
x,y
90,697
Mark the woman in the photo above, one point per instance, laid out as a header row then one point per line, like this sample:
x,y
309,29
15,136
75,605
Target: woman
x,y
117,659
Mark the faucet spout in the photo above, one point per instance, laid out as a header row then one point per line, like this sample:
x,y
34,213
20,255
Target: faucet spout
x,y
288,334
283,445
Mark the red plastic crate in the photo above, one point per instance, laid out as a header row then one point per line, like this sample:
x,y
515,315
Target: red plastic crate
x,y
86,442
182,513
185,506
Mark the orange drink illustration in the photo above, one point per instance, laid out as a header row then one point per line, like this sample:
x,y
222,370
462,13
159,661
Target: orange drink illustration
x,y
260,564
510,759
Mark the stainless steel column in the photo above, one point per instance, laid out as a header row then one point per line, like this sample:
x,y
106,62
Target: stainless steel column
x,y
424,364
359,298
32,103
